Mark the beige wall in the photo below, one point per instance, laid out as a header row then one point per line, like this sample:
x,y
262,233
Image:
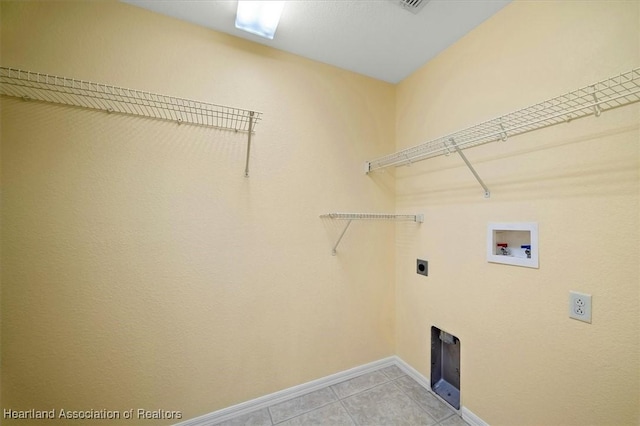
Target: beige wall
x,y
140,267
524,361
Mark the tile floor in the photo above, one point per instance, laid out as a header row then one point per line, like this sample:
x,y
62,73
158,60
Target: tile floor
x,y
384,397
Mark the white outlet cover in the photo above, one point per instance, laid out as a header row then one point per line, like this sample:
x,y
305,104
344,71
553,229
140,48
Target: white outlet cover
x,y
580,306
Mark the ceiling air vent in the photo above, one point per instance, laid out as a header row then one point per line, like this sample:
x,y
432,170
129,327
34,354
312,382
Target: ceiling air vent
x,y
413,6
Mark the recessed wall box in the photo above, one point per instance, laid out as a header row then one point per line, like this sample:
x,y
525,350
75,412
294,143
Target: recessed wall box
x,y
513,243
445,366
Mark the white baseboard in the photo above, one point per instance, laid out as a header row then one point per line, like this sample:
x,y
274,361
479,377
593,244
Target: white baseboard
x,y
299,390
471,418
413,373
286,394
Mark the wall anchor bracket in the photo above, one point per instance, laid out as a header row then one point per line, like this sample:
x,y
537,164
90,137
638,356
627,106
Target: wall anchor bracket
x,y
503,135
596,107
487,193
246,167
335,247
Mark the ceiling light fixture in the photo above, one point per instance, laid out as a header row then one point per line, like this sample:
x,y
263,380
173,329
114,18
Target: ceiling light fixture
x,y
259,17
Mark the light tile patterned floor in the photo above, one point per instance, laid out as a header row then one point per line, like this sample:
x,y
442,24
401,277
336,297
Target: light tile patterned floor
x,y
383,397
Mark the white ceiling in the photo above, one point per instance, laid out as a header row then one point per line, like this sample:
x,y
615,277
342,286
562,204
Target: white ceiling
x,y
376,38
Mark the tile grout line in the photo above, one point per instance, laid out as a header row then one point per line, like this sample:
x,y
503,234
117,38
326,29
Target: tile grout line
x,y
456,412
338,398
364,390
452,412
341,400
346,410
344,407
437,422
391,381
334,393
270,400
304,412
308,411
270,416
369,389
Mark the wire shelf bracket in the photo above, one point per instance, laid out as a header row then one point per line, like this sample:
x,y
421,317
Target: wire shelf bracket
x,y
29,85
350,217
487,193
614,92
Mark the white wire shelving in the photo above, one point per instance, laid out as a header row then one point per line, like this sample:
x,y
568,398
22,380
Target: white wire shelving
x,y
614,92
349,217
30,85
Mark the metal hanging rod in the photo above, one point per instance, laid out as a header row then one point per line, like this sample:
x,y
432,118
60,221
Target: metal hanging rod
x,y
30,85
614,92
349,217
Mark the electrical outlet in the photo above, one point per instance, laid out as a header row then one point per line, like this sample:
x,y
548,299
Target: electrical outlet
x,y
580,306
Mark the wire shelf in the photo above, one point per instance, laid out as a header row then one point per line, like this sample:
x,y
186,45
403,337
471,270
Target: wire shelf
x,y
374,216
349,217
68,91
614,92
